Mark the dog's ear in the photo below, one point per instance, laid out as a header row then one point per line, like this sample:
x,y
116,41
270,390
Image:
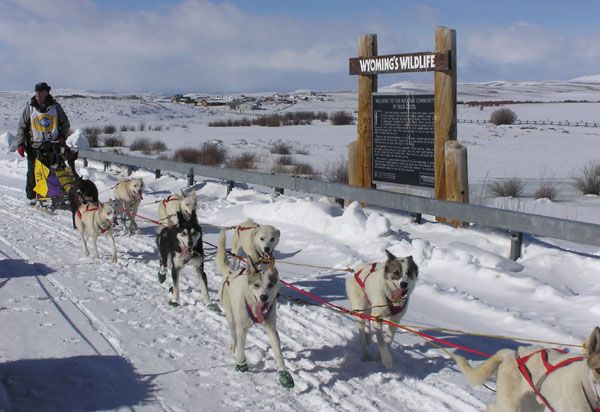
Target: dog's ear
x,y
193,193
180,217
278,232
182,192
389,256
594,342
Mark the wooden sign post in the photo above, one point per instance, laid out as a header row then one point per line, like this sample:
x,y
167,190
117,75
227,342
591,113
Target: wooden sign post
x,y
442,62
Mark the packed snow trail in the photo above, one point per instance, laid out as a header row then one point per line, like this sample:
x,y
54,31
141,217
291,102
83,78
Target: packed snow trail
x,y
95,319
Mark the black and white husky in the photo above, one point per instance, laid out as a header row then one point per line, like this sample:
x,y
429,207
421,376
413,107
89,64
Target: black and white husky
x,y
178,246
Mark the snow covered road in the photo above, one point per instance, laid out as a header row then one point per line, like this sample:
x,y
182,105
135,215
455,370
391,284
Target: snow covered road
x,y
79,334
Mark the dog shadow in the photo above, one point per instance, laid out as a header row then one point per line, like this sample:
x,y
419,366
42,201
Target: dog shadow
x,y
73,383
15,268
142,256
329,287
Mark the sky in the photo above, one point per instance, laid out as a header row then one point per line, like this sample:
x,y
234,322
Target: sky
x,y
171,46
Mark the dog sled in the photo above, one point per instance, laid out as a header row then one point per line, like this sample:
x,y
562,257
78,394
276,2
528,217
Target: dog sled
x,y
54,175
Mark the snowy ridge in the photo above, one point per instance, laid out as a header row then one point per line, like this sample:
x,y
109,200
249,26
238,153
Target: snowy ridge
x,y
179,359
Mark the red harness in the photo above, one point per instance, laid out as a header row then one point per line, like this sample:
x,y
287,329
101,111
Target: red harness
x,y
394,309
244,228
536,387
227,282
88,208
170,198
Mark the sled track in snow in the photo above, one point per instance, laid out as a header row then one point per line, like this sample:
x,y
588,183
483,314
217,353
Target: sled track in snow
x,y
127,306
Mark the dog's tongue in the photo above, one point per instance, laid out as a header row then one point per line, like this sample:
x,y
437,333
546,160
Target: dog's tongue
x,y
259,312
398,294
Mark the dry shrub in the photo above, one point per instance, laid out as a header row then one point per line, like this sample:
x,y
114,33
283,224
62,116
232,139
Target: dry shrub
x,y
503,116
587,178
513,187
246,160
114,141
281,148
336,171
341,118
141,144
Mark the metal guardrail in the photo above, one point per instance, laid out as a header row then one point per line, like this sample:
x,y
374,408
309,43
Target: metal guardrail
x,y
515,222
535,122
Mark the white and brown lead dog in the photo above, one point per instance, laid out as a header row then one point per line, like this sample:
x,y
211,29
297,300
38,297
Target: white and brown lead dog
x,y
533,378
169,206
248,296
128,195
257,241
93,220
382,289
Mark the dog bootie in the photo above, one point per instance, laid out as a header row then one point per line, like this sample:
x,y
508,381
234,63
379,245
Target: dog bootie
x,y
174,304
214,307
162,277
285,379
241,367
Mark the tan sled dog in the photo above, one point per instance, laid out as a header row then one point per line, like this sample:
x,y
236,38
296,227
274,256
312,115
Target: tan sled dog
x,y
128,195
93,220
532,378
169,206
249,297
257,241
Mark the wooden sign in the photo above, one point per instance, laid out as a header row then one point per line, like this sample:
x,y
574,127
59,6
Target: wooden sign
x,y
400,63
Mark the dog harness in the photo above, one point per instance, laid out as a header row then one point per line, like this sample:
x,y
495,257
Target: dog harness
x,y
393,308
244,228
170,198
537,386
88,208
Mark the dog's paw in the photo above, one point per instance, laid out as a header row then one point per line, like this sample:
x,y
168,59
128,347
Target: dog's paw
x,y
241,367
285,379
173,303
162,277
214,307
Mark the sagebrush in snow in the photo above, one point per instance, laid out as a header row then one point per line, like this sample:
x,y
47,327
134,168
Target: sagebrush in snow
x,y
281,148
246,160
110,129
503,116
210,154
336,171
141,144
546,191
587,178
93,135
341,118
508,187
114,141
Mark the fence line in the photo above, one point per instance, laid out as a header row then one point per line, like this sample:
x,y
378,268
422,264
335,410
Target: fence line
x,y
536,122
516,223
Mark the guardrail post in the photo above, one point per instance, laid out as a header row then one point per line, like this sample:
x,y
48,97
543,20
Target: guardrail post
x,y
157,173
339,201
278,191
106,164
417,218
191,177
230,186
130,170
516,245
85,162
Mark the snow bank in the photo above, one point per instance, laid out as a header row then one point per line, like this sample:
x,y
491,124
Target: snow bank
x,y
78,140
8,142
351,227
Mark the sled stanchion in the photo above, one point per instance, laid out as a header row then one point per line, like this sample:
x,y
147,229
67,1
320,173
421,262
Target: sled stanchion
x,y
191,177
279,191
157,174
230,186
417,218
516,245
